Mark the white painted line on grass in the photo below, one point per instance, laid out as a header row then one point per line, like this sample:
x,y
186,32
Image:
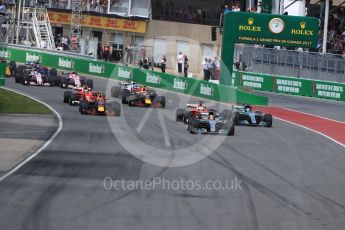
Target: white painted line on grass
x,y
21,164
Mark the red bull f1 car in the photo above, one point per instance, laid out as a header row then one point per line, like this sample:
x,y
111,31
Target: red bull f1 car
x,y
98,104
137,95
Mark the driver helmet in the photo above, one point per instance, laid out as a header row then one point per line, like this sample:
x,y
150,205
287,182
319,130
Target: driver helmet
x,y
247,108
201,106
211,116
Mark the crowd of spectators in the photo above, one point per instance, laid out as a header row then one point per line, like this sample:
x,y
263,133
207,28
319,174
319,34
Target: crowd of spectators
x,y
64,43
111,54
336,32
211,69
168,11
99,6
3,8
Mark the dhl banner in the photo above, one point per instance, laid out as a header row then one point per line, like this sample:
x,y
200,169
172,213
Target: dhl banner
x,y
100,22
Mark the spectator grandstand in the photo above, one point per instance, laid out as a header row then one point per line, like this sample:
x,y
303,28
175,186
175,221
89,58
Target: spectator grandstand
x,y
155,19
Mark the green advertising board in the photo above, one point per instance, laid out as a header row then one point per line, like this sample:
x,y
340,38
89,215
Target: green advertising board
x,y
154,79
266,29
329,90
290,85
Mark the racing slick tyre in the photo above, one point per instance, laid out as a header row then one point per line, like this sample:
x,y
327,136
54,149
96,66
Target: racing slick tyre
x,y
237,118
19,75
58,81
51,82
63,82
160,101
268,120
116,108
231,130
13,64
193,123
125,94
53,76
186,117
180,115
84,107
72,98
115,91
25,80
66,96
13,68
230,121
153,94
227,114
189,125
53,72
89,83
71,82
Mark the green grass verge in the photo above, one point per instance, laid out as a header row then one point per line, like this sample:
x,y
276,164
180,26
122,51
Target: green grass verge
x,y
11,102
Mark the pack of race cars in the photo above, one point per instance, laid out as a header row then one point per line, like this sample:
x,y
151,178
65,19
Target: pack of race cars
x,y
198,118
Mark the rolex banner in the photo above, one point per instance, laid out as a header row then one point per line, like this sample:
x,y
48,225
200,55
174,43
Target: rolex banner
x,y
280,30
264,29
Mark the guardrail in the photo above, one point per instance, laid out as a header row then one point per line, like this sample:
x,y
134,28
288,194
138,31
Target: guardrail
x,y
290,85
154,79
280,62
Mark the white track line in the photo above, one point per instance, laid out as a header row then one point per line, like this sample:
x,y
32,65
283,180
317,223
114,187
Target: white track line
x,y
330,119
164,129
312,130
144,120
21,164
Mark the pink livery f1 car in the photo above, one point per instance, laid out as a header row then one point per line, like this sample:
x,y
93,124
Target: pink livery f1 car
x,y
33,77
72,79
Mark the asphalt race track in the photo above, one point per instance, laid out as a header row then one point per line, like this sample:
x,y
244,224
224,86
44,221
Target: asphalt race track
x,y
290,177
325,108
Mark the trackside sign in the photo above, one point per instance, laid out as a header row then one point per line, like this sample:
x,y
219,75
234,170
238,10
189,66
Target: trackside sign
x,y
206,89
5,54
95,68
180,84
152,78
66,63
124,73
266,29
31,57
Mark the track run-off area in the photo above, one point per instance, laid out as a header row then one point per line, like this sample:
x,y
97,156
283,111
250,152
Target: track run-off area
x,y
289,176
